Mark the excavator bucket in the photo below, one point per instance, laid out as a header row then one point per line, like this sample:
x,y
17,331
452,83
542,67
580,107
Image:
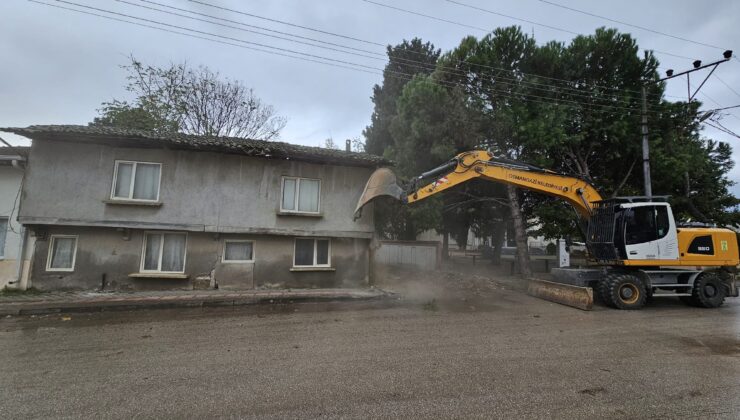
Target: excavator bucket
x,y
382,182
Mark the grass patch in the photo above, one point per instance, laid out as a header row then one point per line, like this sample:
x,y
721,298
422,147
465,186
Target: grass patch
x,y
17,292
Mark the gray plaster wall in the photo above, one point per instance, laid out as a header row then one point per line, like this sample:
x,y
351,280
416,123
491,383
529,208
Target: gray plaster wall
x,y
68,183
106,257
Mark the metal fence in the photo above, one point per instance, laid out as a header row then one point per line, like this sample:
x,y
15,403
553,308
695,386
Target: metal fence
x,y
424,255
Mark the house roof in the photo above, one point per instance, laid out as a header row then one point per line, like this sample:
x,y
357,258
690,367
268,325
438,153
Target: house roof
x,y
232,145
13,151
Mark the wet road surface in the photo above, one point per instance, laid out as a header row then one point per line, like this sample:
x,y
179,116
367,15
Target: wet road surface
x,y
500,354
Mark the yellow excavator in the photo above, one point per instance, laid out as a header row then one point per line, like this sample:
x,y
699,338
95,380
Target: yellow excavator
x,y
638,249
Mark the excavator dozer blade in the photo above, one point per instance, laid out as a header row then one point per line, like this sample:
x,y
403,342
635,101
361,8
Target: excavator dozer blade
x,y
564,294
382,182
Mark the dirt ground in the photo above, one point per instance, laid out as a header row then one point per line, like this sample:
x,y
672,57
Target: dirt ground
x,y
454,285
463,343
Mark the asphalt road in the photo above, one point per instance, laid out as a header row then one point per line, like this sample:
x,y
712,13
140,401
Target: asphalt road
x,y
493,354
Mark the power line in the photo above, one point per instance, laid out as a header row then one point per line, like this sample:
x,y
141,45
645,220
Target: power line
x,y
286,23
484,29
257,44
552,3
438,19
721,128
323,60
547,26
727,85
418,64
722,109
419,53
252,26
381,56
480,9
198,37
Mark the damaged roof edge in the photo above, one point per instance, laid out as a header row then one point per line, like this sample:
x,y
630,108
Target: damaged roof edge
x,y
232,145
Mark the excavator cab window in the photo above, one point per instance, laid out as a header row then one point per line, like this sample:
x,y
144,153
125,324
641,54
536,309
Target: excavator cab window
x,y
645,224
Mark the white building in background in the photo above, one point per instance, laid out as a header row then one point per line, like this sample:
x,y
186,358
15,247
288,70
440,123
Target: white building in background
x,y
14,258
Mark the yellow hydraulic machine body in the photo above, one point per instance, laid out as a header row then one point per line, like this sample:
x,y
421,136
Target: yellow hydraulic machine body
x,y
636,240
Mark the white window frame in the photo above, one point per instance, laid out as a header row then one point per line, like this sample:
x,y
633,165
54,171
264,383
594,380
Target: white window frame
x,y
296,197
7,228
50,252
133,179
315,254
161,250
223,255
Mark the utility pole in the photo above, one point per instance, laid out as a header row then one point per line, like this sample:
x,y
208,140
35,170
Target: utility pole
x,y
669,75
645,146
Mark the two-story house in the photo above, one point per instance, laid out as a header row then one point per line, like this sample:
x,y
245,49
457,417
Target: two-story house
x,y
122,209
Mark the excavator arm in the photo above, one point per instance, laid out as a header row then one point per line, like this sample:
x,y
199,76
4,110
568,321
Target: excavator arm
x,y
482,164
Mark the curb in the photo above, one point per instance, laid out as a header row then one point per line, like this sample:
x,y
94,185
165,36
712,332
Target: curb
x,y
40,308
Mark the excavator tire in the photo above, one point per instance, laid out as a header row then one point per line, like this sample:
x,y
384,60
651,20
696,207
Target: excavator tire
x,y
708,291
601,290
624,291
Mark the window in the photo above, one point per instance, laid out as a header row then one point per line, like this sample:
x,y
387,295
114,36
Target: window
x,y
238,251
62,252
3,233
136,181
300,195
646,223
312,253
164,252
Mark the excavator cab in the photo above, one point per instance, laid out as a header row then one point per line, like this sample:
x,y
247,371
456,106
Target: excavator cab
x,y
632,228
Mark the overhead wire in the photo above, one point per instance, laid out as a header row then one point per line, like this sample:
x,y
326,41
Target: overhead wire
x,y
413,63
412,12
657,95
244,24
286,23
196,36
727,85
532,97
621,22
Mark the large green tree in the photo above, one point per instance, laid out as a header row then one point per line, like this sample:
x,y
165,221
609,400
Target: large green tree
x,y
574,108
405,60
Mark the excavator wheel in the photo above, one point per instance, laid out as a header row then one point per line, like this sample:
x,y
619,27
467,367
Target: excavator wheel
x,y
624,291
708,291
601,291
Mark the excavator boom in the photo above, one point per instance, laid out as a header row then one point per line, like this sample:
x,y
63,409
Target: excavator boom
x,y
482,164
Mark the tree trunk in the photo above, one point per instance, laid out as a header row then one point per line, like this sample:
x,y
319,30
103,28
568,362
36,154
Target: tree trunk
x,y
520,232
445,245
497,241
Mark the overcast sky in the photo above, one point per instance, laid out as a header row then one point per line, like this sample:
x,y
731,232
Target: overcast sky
x,y
58,65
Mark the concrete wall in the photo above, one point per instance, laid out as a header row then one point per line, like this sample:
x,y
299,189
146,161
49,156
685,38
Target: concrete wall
x,y
105,258
68,183
10,182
